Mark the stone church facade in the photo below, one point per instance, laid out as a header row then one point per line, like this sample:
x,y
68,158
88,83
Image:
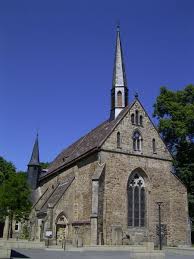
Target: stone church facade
x,y
104,188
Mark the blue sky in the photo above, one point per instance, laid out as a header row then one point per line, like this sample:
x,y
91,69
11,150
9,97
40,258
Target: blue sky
x,y
56,62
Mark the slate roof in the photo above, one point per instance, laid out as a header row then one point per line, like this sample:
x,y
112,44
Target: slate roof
x,y
57,193
91,141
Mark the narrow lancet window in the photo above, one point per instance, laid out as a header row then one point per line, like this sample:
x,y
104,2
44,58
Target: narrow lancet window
x,y
119,99
118,140
136,117
132,118
141,120
154,145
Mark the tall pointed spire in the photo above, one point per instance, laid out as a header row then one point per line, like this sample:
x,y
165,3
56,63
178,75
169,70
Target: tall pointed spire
x,y
119,92
35,154
119,76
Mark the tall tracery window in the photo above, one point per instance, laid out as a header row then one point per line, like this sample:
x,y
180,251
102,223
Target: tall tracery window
x,y
119,99
137,141
136,201
118,140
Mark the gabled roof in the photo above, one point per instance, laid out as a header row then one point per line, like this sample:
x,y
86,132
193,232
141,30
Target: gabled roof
x,y
89,143
57,194
86,144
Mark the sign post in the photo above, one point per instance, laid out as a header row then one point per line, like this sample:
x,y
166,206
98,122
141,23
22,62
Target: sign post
x,y
48,234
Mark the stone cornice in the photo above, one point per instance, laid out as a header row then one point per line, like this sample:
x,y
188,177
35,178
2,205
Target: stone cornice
x,y
133,154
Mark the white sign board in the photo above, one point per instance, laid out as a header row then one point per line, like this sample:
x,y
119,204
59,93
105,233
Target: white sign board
x,y
49,233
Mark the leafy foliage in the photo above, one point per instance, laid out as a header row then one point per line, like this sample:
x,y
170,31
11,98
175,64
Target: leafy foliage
x,y
44,165
175,112
6,168
14,193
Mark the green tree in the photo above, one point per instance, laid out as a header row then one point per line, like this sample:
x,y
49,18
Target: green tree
x,y
14,194
44,165
175,112
6,168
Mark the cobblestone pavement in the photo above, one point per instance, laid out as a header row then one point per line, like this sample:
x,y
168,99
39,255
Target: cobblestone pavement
x,y
43,254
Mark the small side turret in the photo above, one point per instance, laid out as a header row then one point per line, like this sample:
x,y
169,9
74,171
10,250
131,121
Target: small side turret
x,y
34,166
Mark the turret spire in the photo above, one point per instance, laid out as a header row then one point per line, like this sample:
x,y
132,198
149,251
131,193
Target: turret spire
x,y
35,154
119,92
34,167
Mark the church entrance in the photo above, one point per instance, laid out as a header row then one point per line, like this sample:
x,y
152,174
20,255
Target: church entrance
x,y
61,229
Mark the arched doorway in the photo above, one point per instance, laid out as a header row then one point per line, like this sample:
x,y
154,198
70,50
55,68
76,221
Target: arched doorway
x,y
61,228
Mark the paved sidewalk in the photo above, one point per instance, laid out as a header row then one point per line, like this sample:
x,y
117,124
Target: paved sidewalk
x,y
45,254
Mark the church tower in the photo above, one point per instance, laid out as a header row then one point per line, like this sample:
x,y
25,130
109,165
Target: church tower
x,y
119,91
34,166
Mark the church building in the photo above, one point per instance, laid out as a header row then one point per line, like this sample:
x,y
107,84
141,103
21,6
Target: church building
x,y
104,189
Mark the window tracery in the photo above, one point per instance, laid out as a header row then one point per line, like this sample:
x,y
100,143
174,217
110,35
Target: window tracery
x,y
136,201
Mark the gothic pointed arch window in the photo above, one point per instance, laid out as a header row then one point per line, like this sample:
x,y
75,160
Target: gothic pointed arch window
x,y
137,141
136,201
119,99
118,140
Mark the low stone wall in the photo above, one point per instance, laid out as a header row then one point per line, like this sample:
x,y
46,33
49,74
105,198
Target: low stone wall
x,y
5,252
147,255
21,244
180,250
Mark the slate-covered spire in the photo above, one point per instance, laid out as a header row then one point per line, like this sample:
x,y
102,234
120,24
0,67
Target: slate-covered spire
x,y
35,154
34,167
119,92
119,76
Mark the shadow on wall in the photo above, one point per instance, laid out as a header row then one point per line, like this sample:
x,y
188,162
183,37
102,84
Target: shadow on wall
x,y
192,237
15,254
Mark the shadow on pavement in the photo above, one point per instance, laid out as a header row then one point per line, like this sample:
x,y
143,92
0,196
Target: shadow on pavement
x,y
15,254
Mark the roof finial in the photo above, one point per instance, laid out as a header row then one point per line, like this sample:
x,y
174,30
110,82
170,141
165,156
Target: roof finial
x,y
136,95
118,26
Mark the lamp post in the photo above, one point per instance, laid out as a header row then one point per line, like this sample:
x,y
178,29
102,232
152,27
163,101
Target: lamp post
x,y
159,203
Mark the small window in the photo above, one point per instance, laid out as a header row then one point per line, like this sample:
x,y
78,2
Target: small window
x,y
118,140
136,117
119,99
141,120
154,145
16,226
132,118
